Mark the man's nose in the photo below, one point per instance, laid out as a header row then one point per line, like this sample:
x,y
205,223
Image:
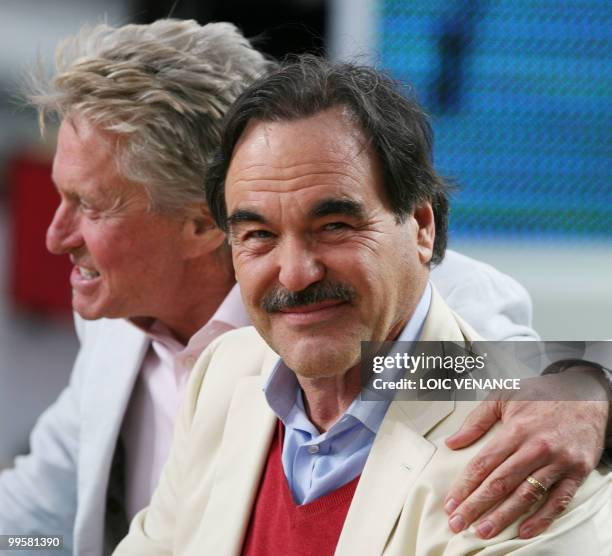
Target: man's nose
x,y
299,265
63,234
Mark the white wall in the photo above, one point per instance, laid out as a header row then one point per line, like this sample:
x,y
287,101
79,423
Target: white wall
x,y
352,30
29,26
570,283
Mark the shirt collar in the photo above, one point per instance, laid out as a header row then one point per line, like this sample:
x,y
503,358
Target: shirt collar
x,y
282,388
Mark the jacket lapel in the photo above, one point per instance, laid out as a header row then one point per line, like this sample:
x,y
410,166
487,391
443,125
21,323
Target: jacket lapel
x,y
399,454
442,324
115,362
248,432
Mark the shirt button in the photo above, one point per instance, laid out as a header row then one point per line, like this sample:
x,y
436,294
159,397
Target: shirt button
x,y
190,361
313,449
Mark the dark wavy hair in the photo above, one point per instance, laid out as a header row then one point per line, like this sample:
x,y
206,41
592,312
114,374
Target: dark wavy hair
x,y
394,123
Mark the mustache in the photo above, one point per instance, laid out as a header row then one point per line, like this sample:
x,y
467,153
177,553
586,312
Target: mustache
x,y
281,298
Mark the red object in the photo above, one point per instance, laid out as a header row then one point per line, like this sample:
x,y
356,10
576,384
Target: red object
x,y
279,526
38,280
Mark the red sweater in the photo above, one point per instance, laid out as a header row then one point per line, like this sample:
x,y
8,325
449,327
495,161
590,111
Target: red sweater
x,y
280,527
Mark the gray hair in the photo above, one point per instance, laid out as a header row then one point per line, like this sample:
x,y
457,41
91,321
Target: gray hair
x,y
162,89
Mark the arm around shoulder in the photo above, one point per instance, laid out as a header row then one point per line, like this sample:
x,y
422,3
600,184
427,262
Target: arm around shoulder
x,y
493,303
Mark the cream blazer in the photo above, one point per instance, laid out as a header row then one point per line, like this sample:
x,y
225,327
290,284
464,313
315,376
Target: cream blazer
x,y
204,500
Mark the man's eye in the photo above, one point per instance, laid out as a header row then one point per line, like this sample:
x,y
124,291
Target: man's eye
x,y
258,235
87,208
335,226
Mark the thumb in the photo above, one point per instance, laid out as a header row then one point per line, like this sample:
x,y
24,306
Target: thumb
x,y
477,423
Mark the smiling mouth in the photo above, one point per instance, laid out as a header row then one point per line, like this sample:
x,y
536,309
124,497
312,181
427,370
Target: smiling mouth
x,y
87,273
313,314
311,307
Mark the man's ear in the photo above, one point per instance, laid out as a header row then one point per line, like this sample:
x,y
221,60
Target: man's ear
x,y
201,236
426,231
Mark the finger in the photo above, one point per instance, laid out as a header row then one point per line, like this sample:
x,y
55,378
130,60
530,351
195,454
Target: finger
x,y
491,456
519,502
498,486
558,500
476,424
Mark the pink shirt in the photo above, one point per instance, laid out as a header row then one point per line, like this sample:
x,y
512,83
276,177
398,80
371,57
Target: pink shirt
x,y
149,421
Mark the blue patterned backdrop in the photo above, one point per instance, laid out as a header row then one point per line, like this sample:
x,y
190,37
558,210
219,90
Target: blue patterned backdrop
x,y
519,93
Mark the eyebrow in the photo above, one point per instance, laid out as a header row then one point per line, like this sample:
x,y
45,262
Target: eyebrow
x,y
327,207
243,215
346,207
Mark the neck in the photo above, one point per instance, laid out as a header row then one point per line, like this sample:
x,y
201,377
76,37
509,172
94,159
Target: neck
x,y
327,398
203,286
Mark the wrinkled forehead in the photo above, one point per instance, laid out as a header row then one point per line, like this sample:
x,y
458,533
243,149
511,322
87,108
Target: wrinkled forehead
x,y
81,149
88,131
325,155
77,136
86,162
333,130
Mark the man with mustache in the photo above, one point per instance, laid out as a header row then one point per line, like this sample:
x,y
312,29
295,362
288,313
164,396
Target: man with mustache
x,y
325,186
153,284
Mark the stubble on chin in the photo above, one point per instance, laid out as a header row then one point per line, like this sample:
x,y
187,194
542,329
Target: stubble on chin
x,y
320,361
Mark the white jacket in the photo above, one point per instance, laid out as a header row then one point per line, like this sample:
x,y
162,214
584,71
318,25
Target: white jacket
x,y
60,487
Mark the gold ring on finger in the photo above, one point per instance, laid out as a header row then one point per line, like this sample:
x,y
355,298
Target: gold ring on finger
x,y
537,484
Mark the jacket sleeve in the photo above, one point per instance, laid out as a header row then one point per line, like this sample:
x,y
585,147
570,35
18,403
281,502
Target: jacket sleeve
x,y
493,303
38,495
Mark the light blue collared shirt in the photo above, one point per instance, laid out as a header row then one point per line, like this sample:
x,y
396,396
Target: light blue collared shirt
x,y
316,463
